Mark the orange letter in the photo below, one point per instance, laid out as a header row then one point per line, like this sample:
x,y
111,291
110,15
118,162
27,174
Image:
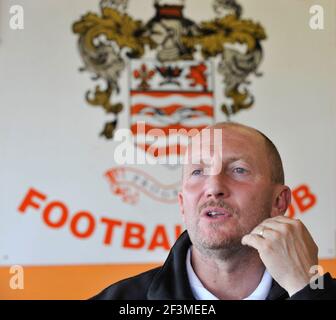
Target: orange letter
x,y
290,211
163,242
110,226
134,231
64,214
304,198
178,231
28,200
90,228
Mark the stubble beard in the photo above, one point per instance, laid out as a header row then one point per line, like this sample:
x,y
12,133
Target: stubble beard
x,y
223,248
227,246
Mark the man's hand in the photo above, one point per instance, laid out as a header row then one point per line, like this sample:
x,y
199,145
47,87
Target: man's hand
x,y
287,250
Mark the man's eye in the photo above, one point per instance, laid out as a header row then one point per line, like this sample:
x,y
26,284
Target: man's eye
x,y
196,172
239,170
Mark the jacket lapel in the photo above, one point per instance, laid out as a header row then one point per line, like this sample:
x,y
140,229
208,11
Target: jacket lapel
x,y
277,292
171,282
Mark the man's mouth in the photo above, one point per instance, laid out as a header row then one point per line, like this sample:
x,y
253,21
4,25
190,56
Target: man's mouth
x,y
216,213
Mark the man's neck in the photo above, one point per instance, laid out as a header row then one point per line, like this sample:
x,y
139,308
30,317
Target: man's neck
x,y
233,278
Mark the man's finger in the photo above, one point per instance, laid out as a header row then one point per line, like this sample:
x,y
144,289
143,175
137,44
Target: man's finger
x,y
267,232
253,241
279,223
283,219
280,219
269,224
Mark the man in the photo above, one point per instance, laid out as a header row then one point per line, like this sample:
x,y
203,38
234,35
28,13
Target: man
x,y
238,243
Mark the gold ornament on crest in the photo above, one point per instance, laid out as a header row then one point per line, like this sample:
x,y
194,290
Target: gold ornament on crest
x,y
107,41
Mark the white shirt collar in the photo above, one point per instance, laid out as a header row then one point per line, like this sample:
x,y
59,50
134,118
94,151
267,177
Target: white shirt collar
x,y
201,293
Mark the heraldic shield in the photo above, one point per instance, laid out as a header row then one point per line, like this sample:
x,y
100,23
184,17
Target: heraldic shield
x,y
168,102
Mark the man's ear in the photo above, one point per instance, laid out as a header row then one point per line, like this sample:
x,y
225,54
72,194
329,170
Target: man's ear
x,y
281,201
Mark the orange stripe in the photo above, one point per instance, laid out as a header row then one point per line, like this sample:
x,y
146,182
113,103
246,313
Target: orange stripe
x,y
164,129
174,11
170,109
67,282
162,94
168,150
81,282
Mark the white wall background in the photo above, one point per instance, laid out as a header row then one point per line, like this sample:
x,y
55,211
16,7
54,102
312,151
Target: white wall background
x,y
49,135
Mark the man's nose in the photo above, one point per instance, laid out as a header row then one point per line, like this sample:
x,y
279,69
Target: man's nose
x,y
217,187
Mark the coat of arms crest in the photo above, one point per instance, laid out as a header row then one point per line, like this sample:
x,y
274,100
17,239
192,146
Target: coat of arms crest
x,y
171,60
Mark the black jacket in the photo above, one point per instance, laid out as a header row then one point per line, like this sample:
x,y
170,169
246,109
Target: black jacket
x,y
170,282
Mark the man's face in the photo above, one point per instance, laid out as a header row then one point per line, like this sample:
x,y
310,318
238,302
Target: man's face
x,y
223,200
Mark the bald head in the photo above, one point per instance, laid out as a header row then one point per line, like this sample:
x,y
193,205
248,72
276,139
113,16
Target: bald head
x,y
271,152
